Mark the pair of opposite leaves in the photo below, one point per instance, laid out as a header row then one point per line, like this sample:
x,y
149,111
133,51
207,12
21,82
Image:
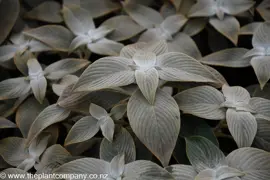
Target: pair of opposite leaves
x,y
234,104
258,57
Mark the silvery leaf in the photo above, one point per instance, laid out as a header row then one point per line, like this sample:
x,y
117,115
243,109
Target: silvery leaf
x,y
203,8
78,20
58,88
246,122
236,94
195,26
145,170
27,112
117,166
38,146
181,67
7,52
148,122
118,111
182,172
229,58
156,47
50,115
148,83
250,29
251,161
107,127
79,41
20,60
120,32
144,16
64,67
261,107
13,150
97,111
38,82
14,88
263,10
228,27
173,24
106,72
99,8
5,123
105,47
184,44
202,101
48,11
261,65
9,11
55,36
123,143
154,34
203,154
260,37
82,130
255,52
262,140
236,7
223,172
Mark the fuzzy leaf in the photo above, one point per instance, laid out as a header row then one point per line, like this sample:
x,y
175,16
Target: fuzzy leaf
x,y
261,65
145,170
99,8
195,26
20,61
38,82
144,16
105,47
184,44
82,130
173,24
148,122
250,29
202,101
124,28
50,115
27,113
203,8
148,83
181,67
78,20
122,144
261,107
203,154
255,163
64,67
13,150
7,52
48,11
106,72
228,27
228,58
236,7
55,36
182,172
14,88
260,37
245,121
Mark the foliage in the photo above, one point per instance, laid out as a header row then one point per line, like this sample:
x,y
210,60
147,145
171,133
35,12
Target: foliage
x,y
135,89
